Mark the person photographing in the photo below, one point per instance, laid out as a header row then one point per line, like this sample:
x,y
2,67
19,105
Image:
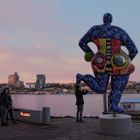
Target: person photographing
x,y
79,102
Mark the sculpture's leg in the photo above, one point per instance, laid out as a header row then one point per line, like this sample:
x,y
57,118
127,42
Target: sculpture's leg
x,y
118,84
98,83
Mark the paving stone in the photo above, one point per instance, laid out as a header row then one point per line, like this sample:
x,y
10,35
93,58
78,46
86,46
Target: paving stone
x,y
63,129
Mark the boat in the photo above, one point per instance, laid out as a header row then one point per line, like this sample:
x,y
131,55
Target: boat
x,y
131,107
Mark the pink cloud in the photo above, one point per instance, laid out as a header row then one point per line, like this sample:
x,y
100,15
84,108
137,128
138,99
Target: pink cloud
x,y
28,62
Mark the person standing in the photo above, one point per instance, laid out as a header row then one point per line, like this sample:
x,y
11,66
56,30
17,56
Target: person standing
x,y
4,106
10,108
79,102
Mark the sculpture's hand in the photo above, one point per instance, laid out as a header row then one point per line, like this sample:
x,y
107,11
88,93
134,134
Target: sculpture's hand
x,y
88,56
131,68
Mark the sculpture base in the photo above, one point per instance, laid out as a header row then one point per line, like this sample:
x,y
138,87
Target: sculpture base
x,y
119,125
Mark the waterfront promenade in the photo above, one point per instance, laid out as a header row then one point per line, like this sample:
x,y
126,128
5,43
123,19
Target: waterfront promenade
x,y
62,129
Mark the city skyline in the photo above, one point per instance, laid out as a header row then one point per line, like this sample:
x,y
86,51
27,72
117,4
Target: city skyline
x,y
41,36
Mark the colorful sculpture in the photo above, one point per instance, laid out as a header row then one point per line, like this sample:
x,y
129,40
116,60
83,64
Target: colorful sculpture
x,y
109,61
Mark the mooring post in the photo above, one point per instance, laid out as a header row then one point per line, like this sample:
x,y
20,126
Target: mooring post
x,y
45,115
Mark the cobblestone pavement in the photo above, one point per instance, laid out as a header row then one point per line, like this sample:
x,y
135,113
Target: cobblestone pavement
x,y
62,129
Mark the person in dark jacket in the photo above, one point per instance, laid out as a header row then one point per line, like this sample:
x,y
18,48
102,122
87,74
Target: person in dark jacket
x,y
10,108
79,102
4,106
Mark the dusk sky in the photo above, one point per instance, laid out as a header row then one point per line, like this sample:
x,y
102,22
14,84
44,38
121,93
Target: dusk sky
x,y
41,36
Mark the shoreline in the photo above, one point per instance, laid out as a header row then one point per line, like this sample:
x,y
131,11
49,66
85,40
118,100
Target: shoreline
x,y
32,93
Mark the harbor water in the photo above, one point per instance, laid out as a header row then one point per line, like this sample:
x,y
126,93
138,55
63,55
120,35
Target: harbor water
x,y
63,104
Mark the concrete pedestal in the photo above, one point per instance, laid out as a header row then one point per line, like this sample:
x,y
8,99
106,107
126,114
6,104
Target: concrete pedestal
x,y
119,125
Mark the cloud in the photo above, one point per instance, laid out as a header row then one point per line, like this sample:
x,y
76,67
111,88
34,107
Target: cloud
x,y
7,37
28,62
27,13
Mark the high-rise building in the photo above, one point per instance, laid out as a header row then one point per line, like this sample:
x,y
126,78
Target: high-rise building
x,y
13,79
40,81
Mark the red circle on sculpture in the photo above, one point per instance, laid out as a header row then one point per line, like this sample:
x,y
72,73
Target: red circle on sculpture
x,y
98,61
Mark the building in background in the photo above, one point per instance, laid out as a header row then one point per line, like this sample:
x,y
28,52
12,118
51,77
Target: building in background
x,y
30,85
13,81
40,81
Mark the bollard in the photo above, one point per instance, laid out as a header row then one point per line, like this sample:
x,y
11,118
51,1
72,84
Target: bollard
x,y
46,115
